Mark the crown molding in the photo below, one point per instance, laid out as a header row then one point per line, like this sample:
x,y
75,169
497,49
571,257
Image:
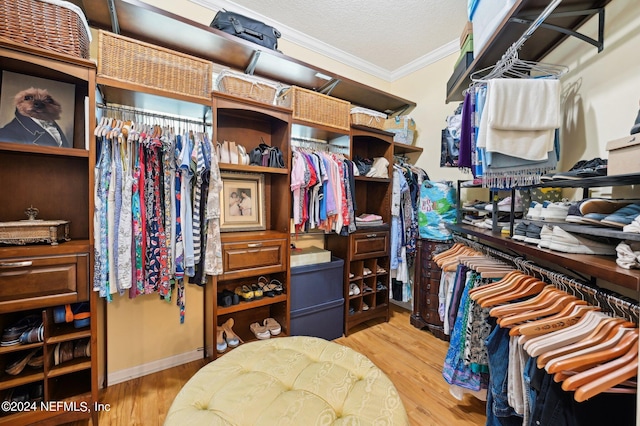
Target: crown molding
x,y
332,52
430,58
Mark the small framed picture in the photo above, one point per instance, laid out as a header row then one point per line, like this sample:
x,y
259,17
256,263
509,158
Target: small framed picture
x,y
36,111
243,203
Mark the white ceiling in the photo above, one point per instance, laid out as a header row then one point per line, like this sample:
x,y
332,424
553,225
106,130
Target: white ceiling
x,y
384,38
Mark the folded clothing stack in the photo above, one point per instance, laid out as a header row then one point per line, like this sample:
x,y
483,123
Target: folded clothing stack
x,y
367,220
628,254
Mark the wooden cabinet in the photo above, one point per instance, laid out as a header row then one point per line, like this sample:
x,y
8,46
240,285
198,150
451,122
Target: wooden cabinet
x,y
37,278
426,287
249,255
366,251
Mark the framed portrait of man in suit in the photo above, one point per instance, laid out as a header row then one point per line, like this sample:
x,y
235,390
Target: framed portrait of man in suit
x,y
36,111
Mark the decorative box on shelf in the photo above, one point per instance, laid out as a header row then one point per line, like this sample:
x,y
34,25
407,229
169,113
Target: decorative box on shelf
x,y
34,230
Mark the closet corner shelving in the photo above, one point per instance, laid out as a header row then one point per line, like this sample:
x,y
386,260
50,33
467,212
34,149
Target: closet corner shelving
x,y
249,255
595,266
36,278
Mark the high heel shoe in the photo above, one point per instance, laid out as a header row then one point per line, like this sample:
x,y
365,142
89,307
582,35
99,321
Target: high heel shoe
x,y
221,344
230,336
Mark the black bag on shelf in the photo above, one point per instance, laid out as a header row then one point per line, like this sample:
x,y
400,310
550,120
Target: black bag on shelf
x,y
246,28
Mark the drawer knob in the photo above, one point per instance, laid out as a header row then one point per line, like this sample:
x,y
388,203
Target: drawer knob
x,y
16,264
254,245
372,235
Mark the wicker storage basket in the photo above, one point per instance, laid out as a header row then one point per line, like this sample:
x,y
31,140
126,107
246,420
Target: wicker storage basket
x,y
316,108
124,59
403,127
368,117
247,86
44,25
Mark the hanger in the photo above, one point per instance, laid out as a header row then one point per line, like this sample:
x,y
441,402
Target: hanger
x,y
554,307
570,315
618,343
526,287
497,286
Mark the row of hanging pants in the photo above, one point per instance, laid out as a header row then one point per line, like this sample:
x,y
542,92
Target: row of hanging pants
x,y
155,214
504,352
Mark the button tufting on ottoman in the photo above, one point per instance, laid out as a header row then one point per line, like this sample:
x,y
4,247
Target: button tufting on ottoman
x,y
296,380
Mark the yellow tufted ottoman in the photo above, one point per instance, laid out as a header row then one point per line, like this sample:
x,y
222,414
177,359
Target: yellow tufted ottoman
x,y
296,380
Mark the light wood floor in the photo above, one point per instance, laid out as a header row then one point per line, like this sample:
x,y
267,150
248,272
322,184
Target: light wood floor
x,y
411,358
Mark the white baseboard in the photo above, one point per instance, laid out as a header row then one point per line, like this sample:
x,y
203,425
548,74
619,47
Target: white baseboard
x,y
153,367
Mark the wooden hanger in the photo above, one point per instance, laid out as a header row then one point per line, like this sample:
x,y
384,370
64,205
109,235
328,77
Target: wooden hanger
x,y
527,287
543,299
618,340
597,335
568,316
557,306
496,287
606,382
592,320
450,250
587,376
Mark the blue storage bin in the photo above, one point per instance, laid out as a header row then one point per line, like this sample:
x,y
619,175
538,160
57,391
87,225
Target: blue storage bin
x,y
316,284
325,320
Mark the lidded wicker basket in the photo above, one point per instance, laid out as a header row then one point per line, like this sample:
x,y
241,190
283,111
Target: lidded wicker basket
x,y
45,25
368,117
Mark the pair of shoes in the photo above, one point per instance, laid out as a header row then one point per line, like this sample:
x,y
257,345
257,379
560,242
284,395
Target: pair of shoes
x,y
226,337
354,290
555,212
366,271
519,231
33,335
63,352
78,313
366,289
269,327
380,286
227,298
82,348
32,392
12,334
380,270
615,213
365,307
532,235
351,310
245,292
228,153
243,156
504,205
566,242
633,227
584,168
20,363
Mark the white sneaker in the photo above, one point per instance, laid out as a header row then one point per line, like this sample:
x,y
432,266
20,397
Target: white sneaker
x,y
555,212
545,236
565,242
535,211
504,205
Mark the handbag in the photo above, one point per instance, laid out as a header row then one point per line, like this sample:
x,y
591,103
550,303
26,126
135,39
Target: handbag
x,y
246,28
266,156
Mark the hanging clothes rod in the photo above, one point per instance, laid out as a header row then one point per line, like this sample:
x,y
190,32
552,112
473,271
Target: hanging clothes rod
x,y
606,299
134,111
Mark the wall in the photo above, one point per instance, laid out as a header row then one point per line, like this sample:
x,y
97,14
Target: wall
x,y
145,334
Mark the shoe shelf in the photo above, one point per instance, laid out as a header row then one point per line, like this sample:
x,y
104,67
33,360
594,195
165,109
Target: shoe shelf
x,y
596,266
24,378
72,366
67,332
597,231
20,347
264,301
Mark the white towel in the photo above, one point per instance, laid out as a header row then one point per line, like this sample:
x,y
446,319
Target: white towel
x,y
525,124
524,104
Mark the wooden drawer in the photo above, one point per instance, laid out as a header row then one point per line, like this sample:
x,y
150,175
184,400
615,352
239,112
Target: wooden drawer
x,y
431,301
39,281
430,274
371,244
255,257
432,317
431,286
